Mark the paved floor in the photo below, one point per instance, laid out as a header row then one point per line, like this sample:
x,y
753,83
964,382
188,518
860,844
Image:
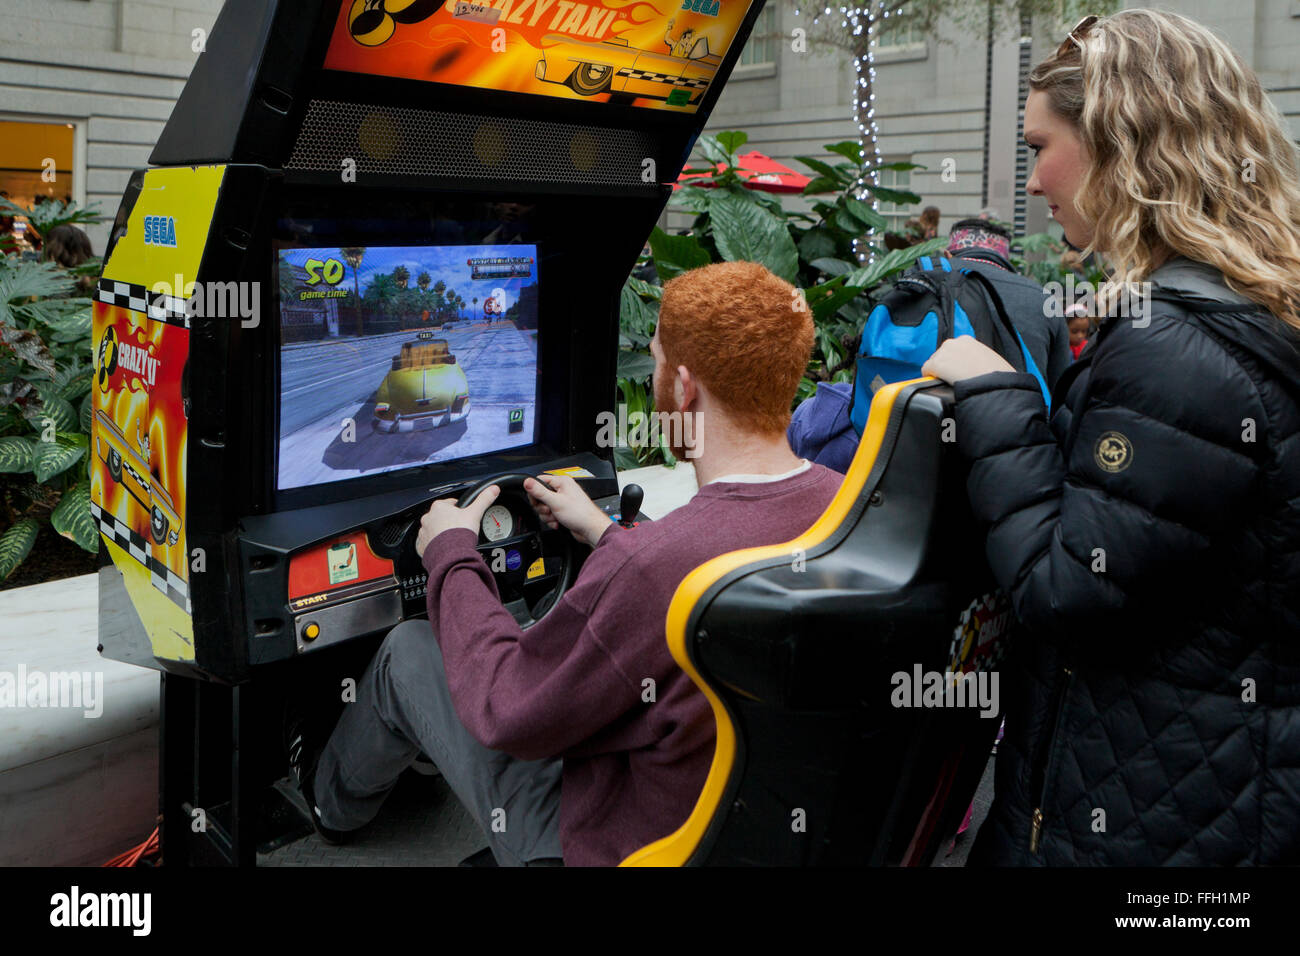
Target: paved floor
x,y
423,824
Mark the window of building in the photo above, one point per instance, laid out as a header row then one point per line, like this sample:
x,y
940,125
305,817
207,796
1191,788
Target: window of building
x,y
896,179
890,36
761,47
36,164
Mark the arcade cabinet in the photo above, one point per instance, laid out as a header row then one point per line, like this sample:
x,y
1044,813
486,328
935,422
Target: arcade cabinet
x,y
376,261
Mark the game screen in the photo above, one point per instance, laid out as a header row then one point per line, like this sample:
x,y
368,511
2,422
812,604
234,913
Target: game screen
x,y
400,356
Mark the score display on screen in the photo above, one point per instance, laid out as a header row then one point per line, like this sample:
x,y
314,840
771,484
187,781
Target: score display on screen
x,y
396,357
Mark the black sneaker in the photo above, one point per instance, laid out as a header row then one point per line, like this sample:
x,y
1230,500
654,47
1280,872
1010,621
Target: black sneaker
x,y
303,745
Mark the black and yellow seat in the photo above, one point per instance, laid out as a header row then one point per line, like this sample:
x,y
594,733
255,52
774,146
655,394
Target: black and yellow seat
x,y
801,649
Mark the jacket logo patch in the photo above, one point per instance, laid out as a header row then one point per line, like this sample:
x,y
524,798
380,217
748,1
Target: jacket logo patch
x,y
1113,452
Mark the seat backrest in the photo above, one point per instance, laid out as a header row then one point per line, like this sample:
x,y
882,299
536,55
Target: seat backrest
x,y
813,655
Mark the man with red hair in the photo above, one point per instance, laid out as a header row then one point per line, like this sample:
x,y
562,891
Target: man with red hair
x,y
508,716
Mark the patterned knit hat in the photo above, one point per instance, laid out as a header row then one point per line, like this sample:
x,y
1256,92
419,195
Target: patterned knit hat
x,y
979,234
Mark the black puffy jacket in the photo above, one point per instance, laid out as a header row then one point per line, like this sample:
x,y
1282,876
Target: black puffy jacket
x,y
1150,537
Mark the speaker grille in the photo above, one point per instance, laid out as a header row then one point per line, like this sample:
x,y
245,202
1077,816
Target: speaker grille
x,y
393,532
403,141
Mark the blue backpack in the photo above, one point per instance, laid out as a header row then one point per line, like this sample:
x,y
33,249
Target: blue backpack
x,y
929,304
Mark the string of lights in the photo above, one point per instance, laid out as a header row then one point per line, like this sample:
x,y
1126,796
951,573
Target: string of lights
x,y
865,22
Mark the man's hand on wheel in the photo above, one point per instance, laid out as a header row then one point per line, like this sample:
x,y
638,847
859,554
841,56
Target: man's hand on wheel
x,y
559,500
444,514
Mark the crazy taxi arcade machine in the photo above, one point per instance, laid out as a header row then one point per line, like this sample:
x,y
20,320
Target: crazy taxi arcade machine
x,y
377,262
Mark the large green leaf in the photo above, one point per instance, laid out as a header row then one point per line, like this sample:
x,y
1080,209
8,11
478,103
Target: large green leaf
x,y
712,150
865,214
643,288
21,280
16,544
86,414
634,365
827,298
68,318
849,149
625,458
832,266
674,255
72,518
693,198
50,458
821,185
732,140
16,454
902,166
826,170
897,260
817,243
745,231
54,407
634,313
900,196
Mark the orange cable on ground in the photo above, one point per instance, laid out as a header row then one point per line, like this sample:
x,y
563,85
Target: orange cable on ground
x,y
132,857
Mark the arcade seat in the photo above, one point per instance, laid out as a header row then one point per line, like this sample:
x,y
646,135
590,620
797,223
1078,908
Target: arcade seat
x,y
811,653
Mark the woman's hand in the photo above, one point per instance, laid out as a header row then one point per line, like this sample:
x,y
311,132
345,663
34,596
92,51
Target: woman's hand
x,y
962,358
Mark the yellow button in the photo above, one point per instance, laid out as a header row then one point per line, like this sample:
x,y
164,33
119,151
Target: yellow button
x,y
310,631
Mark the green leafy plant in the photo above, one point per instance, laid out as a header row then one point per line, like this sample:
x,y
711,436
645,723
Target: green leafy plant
x,y
45,380
1044,258
817,251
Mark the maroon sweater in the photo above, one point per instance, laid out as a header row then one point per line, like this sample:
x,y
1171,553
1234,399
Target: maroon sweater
x,y
572,686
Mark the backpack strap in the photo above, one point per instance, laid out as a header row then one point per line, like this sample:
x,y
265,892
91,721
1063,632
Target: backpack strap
x,y
1001,311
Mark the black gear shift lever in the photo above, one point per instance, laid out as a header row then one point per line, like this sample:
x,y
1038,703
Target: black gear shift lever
x,y
629,503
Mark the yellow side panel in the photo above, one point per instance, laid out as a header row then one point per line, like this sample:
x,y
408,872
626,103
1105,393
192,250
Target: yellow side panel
x,y
139,430
187,195
169,627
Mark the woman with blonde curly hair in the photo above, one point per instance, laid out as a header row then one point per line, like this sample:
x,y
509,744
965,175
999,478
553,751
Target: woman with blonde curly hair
x,y
1149,530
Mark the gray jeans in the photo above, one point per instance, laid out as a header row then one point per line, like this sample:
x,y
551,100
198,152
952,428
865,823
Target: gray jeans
x,y
403,707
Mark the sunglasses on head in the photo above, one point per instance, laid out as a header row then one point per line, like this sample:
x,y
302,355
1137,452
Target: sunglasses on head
x,y
1077,35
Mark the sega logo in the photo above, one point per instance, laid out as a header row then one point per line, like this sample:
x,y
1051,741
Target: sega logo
x,y
160,231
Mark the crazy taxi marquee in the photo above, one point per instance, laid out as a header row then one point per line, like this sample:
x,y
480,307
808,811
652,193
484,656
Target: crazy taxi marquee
x,y
660,54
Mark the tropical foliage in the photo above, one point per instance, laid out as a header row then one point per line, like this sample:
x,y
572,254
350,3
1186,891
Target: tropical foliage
x,y
45,380
813,250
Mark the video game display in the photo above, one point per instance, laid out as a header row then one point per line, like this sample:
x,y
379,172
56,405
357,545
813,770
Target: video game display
x,y
395,357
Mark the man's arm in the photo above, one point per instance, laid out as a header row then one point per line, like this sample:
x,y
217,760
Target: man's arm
x,y
530,694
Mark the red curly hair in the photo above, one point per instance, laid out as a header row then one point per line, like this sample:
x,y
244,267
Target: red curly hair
x,y
745,333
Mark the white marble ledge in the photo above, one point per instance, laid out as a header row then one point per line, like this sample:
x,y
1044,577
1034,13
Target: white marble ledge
x,y
665,488
52,628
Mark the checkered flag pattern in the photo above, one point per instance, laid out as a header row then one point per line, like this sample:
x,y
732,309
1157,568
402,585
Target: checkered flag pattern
x,y
159,307
691,82
987,648
133,543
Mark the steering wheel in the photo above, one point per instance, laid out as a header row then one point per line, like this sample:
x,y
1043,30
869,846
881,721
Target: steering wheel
x,y
514,560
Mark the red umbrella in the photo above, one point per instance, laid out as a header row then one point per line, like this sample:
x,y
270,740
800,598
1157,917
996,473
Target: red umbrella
x,y
761,172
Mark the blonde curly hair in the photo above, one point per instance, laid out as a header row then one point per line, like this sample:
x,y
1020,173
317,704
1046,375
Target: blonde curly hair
x,y
1187,155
